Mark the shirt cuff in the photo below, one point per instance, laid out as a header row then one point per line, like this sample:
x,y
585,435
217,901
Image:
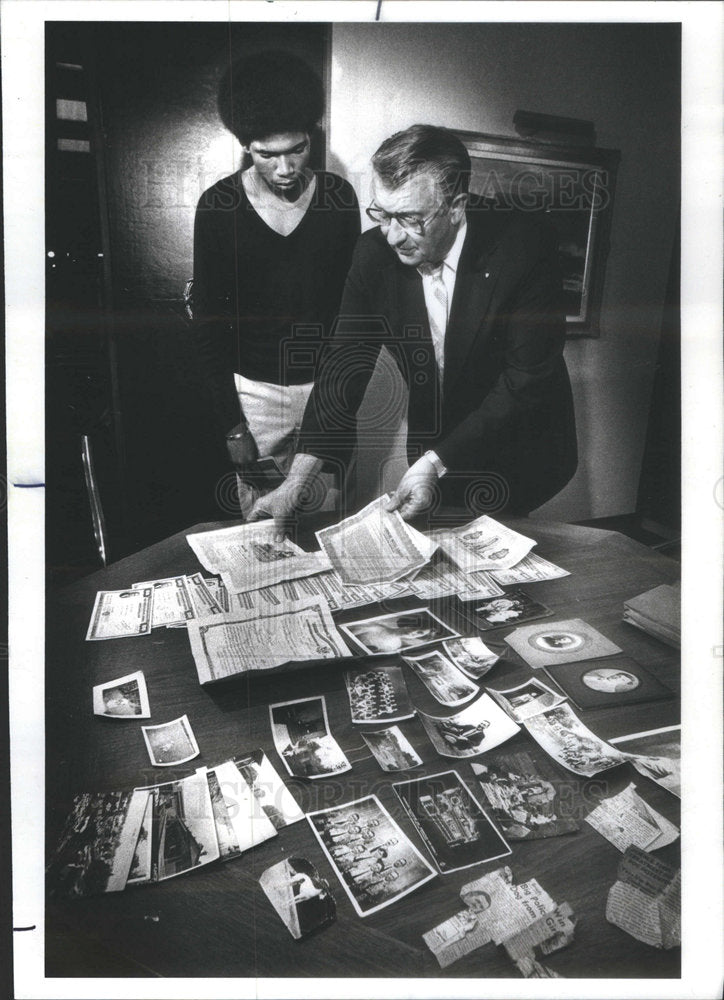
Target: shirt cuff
x,y
434,460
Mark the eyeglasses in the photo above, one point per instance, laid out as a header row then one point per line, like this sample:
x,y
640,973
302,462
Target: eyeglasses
x,y
410,223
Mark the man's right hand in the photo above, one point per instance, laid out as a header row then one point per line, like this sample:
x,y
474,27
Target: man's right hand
x,y
282,502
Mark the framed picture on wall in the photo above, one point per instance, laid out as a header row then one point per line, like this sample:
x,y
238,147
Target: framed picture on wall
x,y
574,186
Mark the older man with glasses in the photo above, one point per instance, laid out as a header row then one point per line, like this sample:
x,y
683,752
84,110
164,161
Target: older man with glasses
x,y
467,298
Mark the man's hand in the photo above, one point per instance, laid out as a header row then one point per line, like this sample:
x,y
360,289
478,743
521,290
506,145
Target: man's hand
x,y
416,491
282,502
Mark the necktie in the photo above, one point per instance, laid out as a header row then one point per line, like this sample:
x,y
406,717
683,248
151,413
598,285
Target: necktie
x,y
436,303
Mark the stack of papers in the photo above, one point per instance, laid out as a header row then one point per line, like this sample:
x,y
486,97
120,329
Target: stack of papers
x,y
657,612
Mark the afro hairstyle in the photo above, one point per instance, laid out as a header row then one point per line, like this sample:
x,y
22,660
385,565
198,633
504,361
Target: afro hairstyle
x,y
268,93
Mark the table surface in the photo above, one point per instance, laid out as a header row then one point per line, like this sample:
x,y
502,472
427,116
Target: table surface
x,y
217,921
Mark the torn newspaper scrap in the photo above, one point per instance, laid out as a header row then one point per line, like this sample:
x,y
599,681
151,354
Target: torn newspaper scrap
x,y
626,820
520,917
645,901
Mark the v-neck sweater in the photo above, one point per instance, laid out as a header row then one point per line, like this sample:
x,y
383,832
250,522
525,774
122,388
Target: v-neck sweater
x,y
256,291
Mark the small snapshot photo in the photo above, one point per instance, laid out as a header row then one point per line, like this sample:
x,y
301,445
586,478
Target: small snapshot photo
x,y
392,750
512,608
560,642
171,742
442,679
301,897
453,824
125,698
400,630
477,728
378,694
470,654
526,700
373,859
656,754
613,681
303,740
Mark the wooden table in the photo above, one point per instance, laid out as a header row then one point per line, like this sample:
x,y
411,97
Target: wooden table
x,y
217,921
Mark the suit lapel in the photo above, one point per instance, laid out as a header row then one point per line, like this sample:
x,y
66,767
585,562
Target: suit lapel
x,y
474,284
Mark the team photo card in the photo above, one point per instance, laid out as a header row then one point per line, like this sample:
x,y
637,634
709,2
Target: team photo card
x,y
455,827
609,682
372,857
378,694
560,642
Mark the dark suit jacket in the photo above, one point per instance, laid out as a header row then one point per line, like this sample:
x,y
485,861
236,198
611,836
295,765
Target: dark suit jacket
x,y
503,424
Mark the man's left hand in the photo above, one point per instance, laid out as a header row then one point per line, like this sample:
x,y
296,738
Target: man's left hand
x,y
416,491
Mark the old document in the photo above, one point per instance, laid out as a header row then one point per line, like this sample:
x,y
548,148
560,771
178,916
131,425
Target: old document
x,y
248,557
374,545
119,613
486,544
249,641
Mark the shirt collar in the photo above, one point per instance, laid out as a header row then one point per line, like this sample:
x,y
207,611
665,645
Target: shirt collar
x,y
452,258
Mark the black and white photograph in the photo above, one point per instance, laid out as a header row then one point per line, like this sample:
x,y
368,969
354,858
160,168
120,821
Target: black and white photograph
x,y
301,897
513,607
527,797
615,681
372,857
391,749
270,265
527,699
183,835
456,829
96,848
124,698
270,793
475,729
378,694
560,642
442,678
225,833
397,631
470,654
303,739
170,743
655,754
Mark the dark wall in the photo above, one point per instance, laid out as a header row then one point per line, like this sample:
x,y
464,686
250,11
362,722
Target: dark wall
x,y
160,144
164,142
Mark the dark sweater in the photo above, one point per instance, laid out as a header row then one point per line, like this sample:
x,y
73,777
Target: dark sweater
x,y
253,288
